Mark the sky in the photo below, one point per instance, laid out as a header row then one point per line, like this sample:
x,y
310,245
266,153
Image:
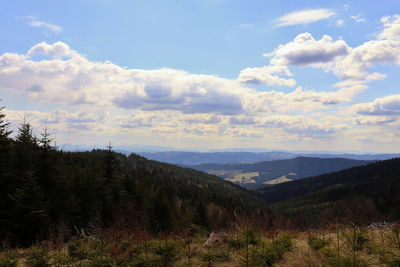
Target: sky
x,y
205,74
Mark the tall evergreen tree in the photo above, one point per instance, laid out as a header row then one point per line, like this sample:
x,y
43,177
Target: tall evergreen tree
x,y
29,203
30,211
4,142
6,185
26,146
45,169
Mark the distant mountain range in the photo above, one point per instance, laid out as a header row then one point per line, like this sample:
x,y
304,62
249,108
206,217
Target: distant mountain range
x,y
195,158
251,175
186,158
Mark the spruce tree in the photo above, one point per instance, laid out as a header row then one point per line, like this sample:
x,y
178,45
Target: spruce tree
x,y
6,184
4,143
30,212
26,146
29,209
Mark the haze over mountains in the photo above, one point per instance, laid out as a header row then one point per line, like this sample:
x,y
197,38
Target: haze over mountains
x,y
253,169
251,155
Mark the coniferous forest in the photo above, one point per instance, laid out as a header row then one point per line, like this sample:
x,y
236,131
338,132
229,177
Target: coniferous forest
x,y
44,190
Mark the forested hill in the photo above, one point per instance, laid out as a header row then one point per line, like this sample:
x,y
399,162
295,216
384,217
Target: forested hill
x,y
262,172
44,190
360,194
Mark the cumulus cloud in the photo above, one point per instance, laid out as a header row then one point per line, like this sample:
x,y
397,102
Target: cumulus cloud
x,y
136,121
355,66
62,75
302,126
388,105
371,120
304,16
391,28
305,50
56,50
266,75
59,120
350,64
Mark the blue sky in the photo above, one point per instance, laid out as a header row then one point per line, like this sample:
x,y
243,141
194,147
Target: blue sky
x,y
205,74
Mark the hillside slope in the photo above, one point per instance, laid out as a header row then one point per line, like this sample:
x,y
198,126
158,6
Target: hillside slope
x,y
358,194
45,190
252,175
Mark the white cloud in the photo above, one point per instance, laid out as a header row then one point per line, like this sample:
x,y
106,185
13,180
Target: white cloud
x,y
242,120
35,22
59,120
202,119
339,23
48,26
305,50
56,50
388,105
266,75
302,126
351,65
371,120
391,26
66,77
358,18
304,16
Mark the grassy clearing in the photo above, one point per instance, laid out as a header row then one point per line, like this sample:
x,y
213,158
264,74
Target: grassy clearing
x,y
353,246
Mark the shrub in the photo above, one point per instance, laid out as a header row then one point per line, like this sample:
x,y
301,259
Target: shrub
x,y
393,261
61,258
357,238
250,237
273,251
346,261
8,259
235,243
317,243
167,253
149,262
37,256
77,248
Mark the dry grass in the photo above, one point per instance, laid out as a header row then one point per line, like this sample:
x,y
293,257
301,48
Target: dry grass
x,y
370,248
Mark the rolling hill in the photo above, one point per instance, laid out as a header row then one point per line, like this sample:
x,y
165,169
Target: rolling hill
x,y
252,175
359,194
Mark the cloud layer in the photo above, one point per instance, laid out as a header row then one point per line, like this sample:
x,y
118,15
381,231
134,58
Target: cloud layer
x,y
104,98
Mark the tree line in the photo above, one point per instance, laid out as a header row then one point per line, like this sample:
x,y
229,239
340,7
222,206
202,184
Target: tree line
x,y
45,191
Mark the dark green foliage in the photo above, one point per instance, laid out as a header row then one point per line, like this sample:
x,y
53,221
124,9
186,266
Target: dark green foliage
x,y
168,254
359,195
235,243
43,189
37,256
200,217
8,258
317,243
272,252
394,261
216,255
